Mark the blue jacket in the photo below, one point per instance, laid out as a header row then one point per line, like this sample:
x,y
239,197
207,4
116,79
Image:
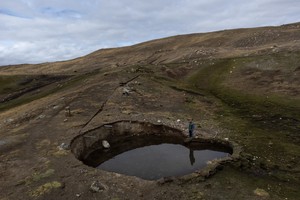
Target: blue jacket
x,y
191,126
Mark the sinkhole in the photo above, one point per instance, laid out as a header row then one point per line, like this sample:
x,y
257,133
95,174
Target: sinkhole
x,y
148,151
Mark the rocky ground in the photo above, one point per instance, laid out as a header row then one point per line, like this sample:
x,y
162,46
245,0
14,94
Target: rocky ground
x,y
238,84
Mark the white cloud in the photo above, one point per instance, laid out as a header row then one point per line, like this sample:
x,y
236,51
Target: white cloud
x,y
33,31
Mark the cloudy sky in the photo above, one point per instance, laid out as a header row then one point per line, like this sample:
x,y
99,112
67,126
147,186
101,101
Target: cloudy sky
x,y
34,31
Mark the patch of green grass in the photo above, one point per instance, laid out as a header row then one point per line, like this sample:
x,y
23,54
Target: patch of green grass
x,y
266,127
46,188
9,84
42,92
38,176
211,75
246,184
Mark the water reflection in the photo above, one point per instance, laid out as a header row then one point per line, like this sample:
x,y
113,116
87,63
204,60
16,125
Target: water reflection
x,y
154,157
157,161
192,158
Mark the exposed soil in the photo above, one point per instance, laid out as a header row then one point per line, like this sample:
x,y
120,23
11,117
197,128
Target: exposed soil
x,y
239,86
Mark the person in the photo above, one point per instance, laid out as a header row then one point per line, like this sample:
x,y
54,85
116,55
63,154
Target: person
x,y
191,128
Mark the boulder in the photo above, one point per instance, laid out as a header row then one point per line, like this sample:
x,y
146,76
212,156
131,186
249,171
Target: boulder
x,y
261,192
97,186
105,144
64,146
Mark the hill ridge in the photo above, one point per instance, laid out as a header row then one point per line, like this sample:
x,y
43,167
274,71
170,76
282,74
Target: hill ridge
x,y
218,44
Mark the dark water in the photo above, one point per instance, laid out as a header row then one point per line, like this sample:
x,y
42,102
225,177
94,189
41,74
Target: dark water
x,y
157,161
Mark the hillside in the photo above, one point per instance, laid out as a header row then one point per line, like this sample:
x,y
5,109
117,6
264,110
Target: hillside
x,y
242,85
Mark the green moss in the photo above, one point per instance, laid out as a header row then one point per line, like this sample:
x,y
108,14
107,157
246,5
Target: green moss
x,y
38,176
46,188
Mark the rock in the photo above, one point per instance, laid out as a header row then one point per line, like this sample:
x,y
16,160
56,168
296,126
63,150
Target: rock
x,y
97,186
82,171
165,180
209,162
108,126
64,146
2,142
261,192
105,144
9,120
68,111
126,91
55,107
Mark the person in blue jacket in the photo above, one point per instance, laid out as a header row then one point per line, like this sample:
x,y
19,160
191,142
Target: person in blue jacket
x,y
191,128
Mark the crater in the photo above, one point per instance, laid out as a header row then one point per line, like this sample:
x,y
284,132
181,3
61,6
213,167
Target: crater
x,y
150,151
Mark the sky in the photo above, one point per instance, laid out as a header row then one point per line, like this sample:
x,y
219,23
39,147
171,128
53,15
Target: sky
x,y
36,31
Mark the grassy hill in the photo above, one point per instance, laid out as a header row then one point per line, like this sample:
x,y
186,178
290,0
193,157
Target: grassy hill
x,y
240,84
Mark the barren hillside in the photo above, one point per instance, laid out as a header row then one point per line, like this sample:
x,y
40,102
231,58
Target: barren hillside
x,y
240,86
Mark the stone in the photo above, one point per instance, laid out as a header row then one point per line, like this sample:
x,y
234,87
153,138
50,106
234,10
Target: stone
x,y
261,192
209,162
64,146
126,91
9,120
68,111
270,143
97,186
41,116
105,144
55,107
2,142
165,180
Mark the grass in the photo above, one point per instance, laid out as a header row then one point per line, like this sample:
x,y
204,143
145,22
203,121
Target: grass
x,y
266,127
46,188
212,74
12,84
